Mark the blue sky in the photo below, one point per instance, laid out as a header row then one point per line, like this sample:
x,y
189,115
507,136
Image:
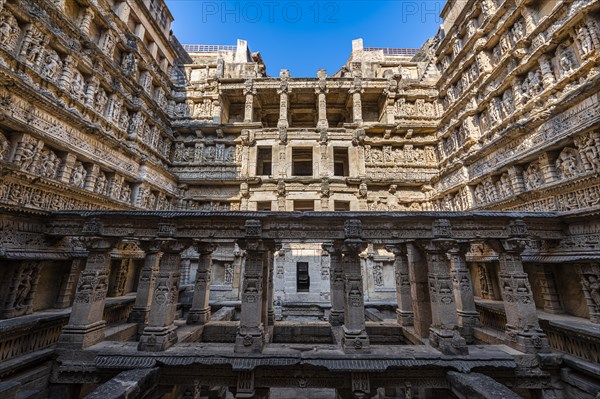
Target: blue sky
x,y
304,36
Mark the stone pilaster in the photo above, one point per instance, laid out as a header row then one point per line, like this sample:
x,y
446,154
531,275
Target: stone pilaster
x,y
404,311
547,167
249,92
336,279
66,169
547,283
547,73
146,283
250,335
283,124
356,91
159,334
468,317
200,310
120,278
270,285
86,20
66,76
245,385
590,281
522,326
355,338
86,324
516,179
321,92
65,295
444,317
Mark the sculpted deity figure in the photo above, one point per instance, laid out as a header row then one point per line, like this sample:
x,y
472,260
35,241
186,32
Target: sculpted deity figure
x,y
78,176
4,146
125,193
33,45
100,183
586,45
77,85
101,100
565,62
51,65
7,30
567,163
507,102
592,284
533,176
23,288
488,7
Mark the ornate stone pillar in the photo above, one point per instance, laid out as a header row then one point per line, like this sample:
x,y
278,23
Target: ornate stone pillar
x,y
444,318
249,92
86,324
516,178
65,295
250,335
547,73
590,281
160,332
66,169
270,267
20,288
336,279
547,282
468,317
146,283
200,310
356,90
66,76
284,105
86,20
522,326
547,167
245,385
119,280
404,311
355,338
321,92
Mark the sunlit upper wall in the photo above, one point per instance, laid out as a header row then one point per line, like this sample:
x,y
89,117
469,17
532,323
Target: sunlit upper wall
x,y
450,13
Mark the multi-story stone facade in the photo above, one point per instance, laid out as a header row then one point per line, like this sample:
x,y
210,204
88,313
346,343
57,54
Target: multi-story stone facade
x,y
422,223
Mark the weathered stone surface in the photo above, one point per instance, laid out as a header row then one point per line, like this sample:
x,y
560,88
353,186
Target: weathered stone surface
x,y
129,384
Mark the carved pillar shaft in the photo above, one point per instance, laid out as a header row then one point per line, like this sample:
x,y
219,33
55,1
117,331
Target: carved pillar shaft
x,y
547,73
66,76
249,108
86,323
120,278
444,316
355,338
159,334
547,167
65,295
86,20
270,286
322,107
468,317
146,284
336,280
283,109
250,336
200,310
404,311
547,282
522,326
357,107
355,335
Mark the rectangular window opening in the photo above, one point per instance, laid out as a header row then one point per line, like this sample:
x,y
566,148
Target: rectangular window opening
x,y
264,161
302,277
340,162
263,206
341,206
304,205
302,161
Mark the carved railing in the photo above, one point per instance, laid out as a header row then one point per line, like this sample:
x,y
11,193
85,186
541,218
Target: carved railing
x,y
580,342
573,342
491,317
18,338
118,312
21,339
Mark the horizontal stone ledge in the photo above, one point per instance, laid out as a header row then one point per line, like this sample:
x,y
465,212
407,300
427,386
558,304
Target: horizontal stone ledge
x,y
340,365
129,384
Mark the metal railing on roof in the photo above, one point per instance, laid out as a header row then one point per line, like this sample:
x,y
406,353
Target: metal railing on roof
x,y
207,48
394,51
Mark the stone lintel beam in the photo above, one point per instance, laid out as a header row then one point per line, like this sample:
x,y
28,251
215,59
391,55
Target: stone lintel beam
x,y
129,384
478,386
